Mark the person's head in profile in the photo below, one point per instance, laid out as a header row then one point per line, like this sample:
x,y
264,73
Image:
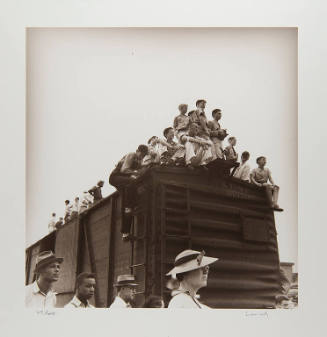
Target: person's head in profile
x,y
154,301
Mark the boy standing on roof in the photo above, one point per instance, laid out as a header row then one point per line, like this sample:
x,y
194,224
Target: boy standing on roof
x,y
68,210
181,122
217,135
198,116
260,176
52,223
122,177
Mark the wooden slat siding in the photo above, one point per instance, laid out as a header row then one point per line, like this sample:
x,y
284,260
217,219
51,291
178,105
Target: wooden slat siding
x,y
99,239
34,252
122,250
66,247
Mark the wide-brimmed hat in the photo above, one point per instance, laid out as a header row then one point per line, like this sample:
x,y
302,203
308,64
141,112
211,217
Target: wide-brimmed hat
x,y
189,260
45,258
125,280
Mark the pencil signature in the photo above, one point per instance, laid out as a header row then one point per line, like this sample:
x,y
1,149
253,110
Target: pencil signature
x,y
45,312
256,314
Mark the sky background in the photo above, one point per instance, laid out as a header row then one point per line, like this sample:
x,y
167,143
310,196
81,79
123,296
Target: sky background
x,y
95,94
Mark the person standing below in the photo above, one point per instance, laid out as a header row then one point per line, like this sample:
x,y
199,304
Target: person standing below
x,y
154,301
229,151
243,171
96,191
85,287
75,208
198,150
260,176
191,269
126,289
122,177
68,210
39,294
181,122
217,135
60,223
52,223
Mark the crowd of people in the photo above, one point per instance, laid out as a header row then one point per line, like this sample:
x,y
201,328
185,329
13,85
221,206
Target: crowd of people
x,y
192,141
72,210
189,274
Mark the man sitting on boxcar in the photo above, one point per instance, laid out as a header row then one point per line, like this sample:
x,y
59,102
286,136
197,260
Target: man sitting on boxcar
x,y
39,294
260,176
85,287
125,172
126,289
95,191
198,150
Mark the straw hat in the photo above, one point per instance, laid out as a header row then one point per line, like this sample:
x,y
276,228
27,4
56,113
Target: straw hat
x,y
45,258
189,260
125,280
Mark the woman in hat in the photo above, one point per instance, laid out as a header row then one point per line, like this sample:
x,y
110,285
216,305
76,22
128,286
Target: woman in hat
x,y
191,270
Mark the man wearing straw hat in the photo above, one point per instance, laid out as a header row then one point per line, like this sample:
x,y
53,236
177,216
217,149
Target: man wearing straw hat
x,y
39,294
126,289
191,269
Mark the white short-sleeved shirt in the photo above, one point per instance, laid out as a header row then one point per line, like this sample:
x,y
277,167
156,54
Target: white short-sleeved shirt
x,y
119,303
35,298
75,303
260,176
186,301
243,172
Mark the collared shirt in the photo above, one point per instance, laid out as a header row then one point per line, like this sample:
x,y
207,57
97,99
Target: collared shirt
x,y
35,298
68,209
214,127
76,303
230,153
181,122
75,207
52,224
119,303
243,172
183,300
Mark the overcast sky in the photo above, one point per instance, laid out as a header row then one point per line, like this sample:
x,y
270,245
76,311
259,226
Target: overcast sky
x,y
95,94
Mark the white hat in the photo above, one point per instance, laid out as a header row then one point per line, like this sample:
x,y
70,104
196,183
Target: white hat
x,y
189,260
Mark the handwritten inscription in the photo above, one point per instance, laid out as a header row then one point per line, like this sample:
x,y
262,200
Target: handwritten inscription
x,y
45,312
256,314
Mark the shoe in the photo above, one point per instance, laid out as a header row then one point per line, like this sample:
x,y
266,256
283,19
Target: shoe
x,y
277,208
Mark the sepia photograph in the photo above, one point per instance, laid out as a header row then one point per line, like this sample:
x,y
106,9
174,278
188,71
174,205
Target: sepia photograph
x,y
161,168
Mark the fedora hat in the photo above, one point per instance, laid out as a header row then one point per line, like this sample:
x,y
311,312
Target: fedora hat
x,y
45,258
125,280
189,260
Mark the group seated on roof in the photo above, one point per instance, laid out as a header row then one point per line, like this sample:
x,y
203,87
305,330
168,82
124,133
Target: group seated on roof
x,y
192,142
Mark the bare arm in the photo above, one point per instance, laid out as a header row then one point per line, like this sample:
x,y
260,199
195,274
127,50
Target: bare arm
x,y
254,181
270,178
126,168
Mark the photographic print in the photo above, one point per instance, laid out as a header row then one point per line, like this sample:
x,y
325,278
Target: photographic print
x,y
161,168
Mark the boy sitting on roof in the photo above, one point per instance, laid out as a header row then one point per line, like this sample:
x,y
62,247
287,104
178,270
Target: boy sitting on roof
x,y
126,171
260,176
181,122
198,150
173,154
156,148
229,151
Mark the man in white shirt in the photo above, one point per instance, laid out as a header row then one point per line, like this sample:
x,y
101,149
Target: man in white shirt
x,y
68,210
52,223
39,295
75,208
243,171
85,287
86,201
126,289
